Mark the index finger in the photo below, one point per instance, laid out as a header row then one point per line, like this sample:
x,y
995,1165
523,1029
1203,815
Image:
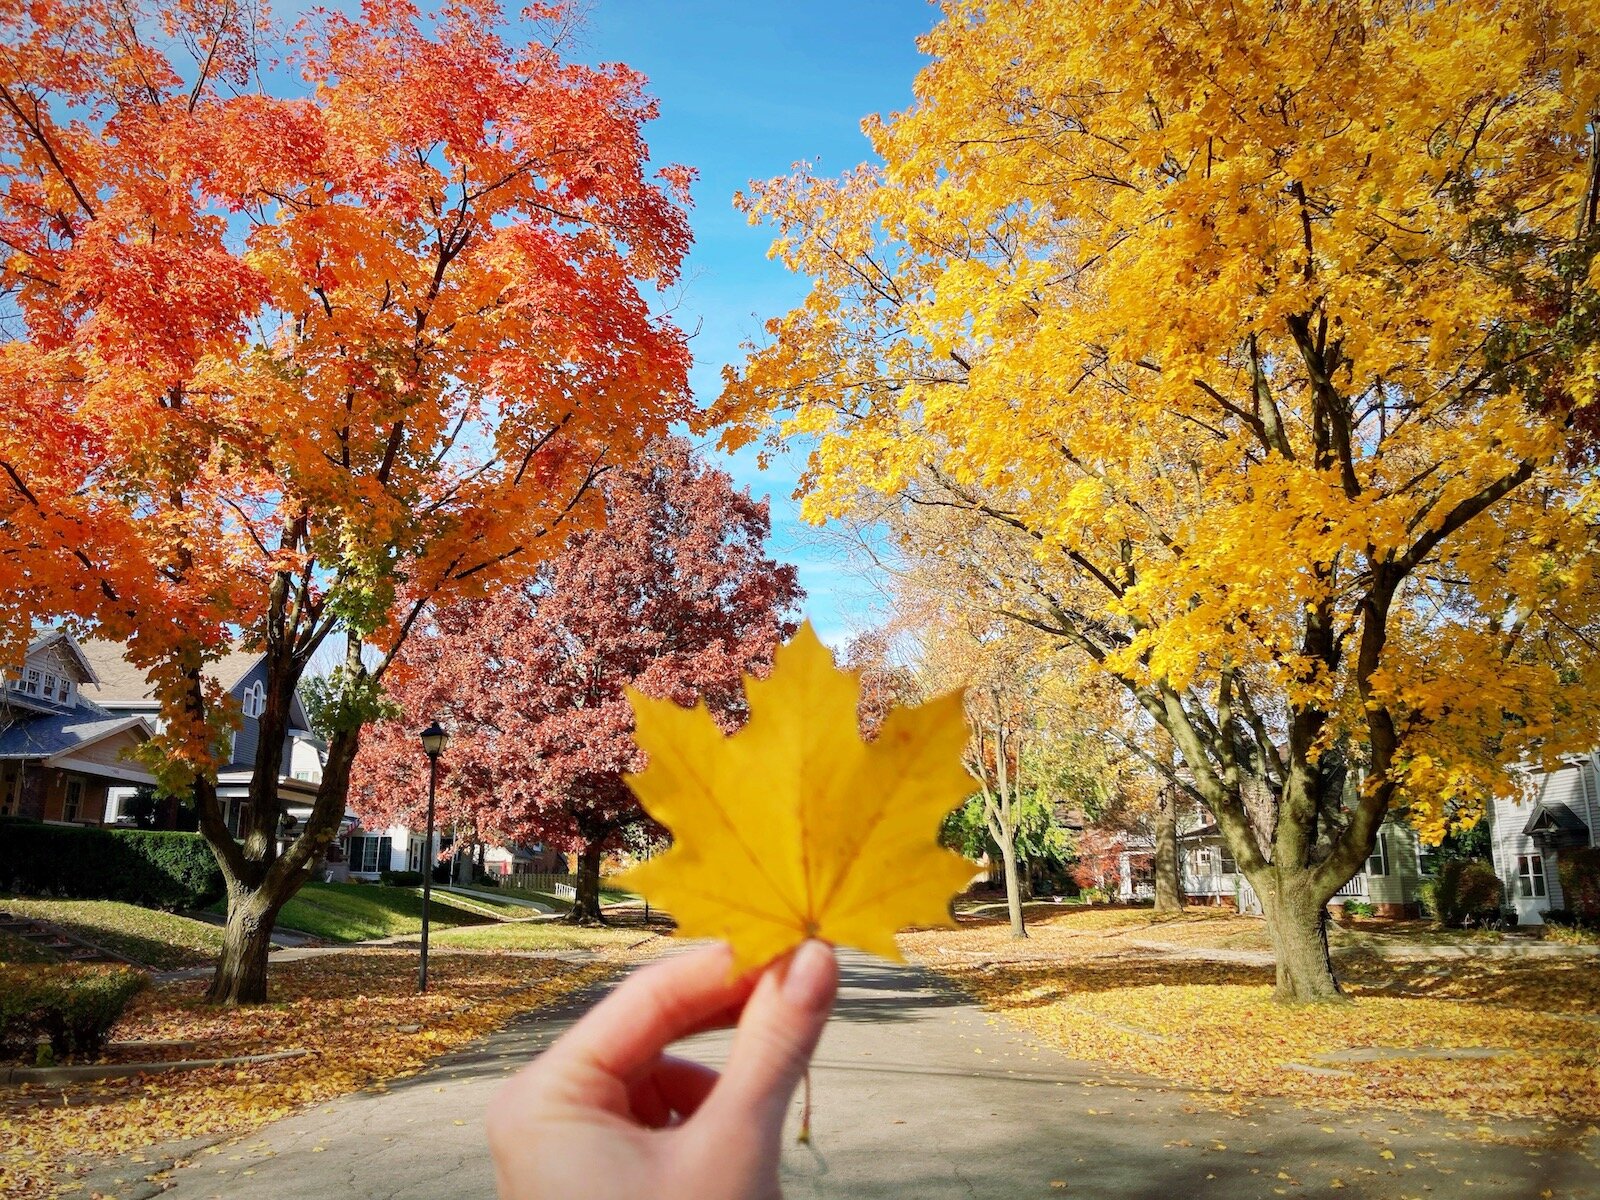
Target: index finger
x,y
654,1007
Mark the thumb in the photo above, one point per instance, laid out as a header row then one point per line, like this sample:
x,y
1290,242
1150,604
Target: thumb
x,y
772,1046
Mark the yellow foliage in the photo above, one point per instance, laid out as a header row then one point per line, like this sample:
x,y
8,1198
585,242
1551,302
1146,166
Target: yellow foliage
x,y
795,828
1267,330
1099,985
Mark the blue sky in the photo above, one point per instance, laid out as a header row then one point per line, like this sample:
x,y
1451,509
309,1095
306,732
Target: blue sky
x,y
747,90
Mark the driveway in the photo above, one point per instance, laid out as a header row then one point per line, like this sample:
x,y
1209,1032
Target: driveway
x,y
920,1094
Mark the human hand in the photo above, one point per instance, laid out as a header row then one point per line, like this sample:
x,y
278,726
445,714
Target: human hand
x,y
604,1112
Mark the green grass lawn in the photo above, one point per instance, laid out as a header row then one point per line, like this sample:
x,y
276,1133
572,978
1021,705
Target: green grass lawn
x,y
355,912
561,904
156,939
14,949
536,935
489,906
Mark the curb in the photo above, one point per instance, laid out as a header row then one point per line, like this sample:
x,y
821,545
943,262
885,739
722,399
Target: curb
x,y
93,1071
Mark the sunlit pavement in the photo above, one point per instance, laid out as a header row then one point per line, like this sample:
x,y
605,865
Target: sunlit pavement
x,y
916,1093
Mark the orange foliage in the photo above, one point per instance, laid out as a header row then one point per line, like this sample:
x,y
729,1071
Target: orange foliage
x,y
288,356
358,1016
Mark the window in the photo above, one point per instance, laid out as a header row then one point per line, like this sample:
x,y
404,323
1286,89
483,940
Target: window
x,y
32,681
370,854
414,854
64,691
10,792
72,806
254,700
1378,864
1530,874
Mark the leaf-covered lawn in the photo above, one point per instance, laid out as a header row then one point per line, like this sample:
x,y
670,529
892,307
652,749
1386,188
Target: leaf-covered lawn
x,y
165,941
14,949
541,935
1082,983
356,912
357,1013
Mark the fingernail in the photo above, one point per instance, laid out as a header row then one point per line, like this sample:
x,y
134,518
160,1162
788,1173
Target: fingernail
x,y
810,982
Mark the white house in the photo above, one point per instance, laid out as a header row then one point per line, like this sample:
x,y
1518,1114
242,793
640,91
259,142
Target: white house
x,y
1390,880
1557,810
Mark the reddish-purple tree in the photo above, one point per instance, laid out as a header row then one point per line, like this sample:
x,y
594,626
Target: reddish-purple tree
x,y
675,595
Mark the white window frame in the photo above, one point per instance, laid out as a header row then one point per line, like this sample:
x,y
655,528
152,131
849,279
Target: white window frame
x,y
1530,876
356,855
1380,855
31,679
254,700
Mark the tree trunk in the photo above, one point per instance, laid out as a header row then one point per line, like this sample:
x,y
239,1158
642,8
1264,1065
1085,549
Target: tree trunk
x,y
586,905
259,887
1169,889
1298,924
241,975
1008,854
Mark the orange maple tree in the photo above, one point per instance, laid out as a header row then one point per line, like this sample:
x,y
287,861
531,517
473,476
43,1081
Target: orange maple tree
x,y
308,331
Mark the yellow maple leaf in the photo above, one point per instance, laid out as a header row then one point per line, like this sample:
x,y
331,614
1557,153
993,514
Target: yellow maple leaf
x,y
794,827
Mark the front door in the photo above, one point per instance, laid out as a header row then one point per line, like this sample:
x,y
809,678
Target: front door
x,y
1530,889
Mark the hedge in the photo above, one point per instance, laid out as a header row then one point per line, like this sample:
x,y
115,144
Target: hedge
x,y
144,867
1463,890
1579,870
74,1007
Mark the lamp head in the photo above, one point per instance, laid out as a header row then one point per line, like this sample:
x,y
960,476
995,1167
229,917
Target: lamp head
x,y
434,740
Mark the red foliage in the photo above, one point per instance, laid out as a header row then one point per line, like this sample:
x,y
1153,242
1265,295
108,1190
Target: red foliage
x,y
1098,862
674,596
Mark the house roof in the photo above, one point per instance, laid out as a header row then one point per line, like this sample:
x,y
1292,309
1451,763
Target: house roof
x,y
51,734
61,637
122,683
1556,819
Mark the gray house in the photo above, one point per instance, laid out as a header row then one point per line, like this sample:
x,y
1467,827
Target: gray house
x,y
1558,809
121,688
61,754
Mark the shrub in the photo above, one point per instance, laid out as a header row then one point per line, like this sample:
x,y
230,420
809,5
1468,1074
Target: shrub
x,y
1566,918
144,867
1579,870
1358,908
74,1007
1571,928
1463,889
402,878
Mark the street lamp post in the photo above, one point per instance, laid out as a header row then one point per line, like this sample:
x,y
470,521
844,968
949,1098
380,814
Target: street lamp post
x,y
434,740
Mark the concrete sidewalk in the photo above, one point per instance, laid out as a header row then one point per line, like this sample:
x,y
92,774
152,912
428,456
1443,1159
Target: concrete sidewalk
x,y
920,1094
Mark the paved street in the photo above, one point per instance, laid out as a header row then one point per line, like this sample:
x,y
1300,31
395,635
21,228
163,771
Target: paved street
x,y
917,1093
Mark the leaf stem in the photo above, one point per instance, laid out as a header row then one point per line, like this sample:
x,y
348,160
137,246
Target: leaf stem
x,y
804,1137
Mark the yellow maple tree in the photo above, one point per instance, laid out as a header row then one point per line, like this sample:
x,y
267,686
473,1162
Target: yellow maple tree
x,y
1269,335
795,828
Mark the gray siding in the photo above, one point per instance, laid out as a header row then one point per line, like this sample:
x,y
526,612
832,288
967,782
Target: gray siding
x,y
1575,784
247,740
